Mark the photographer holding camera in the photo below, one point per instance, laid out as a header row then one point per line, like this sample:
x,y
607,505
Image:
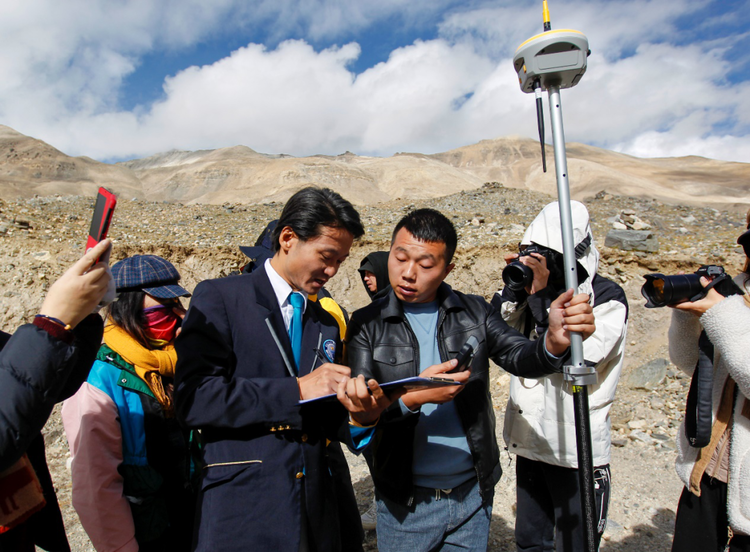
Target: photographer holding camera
x,y
539,418
711,332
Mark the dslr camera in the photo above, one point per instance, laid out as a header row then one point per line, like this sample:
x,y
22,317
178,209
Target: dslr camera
x,y
517,275
661,291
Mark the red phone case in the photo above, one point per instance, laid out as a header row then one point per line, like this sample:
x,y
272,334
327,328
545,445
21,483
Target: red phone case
x,y
103,210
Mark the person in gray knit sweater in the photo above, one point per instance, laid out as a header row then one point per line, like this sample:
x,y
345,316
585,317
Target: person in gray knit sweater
x,y
714,509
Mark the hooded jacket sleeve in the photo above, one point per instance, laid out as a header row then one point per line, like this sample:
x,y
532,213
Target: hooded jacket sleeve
x,y
94,434
684,331
37,370
518,307
611,326
727,325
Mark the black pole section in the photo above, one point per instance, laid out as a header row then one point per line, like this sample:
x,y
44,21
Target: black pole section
x,y
540,125
585,466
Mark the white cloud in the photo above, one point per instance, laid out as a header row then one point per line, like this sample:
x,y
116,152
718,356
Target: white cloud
x,y
666,144
646,91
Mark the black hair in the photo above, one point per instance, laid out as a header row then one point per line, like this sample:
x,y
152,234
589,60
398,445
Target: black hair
x,y
127,313
429,225
310,208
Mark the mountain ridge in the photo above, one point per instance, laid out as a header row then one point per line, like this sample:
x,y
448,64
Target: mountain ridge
x,y
240,174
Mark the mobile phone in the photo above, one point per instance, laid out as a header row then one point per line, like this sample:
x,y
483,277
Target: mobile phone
x,y
103,210
466,354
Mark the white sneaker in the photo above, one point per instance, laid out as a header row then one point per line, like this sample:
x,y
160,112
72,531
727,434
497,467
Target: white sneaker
x,y
370,517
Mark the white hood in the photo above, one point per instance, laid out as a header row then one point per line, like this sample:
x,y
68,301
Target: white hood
x,y
545,230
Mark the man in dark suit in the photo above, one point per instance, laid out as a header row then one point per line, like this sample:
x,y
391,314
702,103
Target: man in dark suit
x,y
243,369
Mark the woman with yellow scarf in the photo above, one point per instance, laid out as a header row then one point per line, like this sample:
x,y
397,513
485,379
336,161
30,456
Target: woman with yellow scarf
x,y
133,466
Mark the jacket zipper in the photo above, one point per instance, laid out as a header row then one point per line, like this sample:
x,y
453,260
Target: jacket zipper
x,y
415,350
444,358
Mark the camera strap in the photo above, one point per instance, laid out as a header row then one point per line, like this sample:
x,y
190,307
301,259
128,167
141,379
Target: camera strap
x,y
718,279
583,246
699,399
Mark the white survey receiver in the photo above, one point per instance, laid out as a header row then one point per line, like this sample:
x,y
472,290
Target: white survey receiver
x,y
551,59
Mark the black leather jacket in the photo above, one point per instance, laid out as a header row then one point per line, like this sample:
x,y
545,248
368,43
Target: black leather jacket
x,y
381,344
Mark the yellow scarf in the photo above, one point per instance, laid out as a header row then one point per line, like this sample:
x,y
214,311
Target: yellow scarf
x,y
149,364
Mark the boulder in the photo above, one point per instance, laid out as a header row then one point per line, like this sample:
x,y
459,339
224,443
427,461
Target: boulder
x,y
647,376
632,240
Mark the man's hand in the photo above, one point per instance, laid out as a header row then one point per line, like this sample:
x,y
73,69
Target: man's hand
x,y
413,400
324,380
365,401
75,294
538,265
568,314
700,306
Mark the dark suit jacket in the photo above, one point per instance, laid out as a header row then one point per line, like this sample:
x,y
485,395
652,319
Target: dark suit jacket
x,y
234,381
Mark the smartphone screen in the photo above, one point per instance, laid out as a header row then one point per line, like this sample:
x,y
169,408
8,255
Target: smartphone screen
x,y
103,210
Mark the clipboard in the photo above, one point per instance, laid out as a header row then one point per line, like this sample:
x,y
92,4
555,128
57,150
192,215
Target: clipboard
x,y
407,383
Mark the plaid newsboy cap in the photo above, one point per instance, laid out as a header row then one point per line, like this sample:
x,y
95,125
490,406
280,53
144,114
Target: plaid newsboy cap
x,y
154,275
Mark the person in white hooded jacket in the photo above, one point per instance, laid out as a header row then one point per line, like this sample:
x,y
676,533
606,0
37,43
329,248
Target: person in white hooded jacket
x,y
539,418
714,509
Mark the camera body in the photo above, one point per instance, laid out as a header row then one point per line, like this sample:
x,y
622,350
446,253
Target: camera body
x,y
517,275
661,291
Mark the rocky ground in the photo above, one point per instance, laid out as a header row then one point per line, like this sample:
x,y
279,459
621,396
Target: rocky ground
x,y
39,237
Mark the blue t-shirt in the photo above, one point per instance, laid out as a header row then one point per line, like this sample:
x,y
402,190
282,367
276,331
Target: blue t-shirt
x,y
442,459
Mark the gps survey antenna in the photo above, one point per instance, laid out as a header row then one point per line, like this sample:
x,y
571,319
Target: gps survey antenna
x,y
552,61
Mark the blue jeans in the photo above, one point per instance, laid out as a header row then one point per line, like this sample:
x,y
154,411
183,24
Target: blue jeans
x,y
441,520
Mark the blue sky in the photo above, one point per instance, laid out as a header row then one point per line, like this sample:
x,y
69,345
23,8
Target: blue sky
x,y
122,79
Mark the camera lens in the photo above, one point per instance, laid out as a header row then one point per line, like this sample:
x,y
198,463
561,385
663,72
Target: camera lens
x,y
517,275
660,290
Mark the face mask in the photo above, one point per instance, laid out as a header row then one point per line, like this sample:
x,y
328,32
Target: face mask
x,y
161,323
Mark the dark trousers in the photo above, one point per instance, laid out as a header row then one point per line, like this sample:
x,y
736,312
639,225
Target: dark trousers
x,y
352,534
44,529
548,498
702,524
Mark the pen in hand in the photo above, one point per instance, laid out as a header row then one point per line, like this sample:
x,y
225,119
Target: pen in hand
x,y
320,356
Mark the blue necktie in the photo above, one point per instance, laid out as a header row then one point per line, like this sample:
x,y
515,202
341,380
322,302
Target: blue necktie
x,y
297,301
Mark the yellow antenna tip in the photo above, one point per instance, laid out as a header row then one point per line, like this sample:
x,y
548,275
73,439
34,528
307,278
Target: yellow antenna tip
x,y
545,15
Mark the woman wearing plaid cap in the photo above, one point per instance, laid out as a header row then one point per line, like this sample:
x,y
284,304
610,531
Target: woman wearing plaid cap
x,y
132,463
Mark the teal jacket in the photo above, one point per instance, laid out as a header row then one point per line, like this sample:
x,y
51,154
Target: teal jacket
x,y
160,459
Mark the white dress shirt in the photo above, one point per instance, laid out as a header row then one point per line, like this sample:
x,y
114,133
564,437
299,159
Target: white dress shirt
x,y
283,290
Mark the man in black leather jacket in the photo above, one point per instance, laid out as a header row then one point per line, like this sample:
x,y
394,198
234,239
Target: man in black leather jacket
x,y
434,459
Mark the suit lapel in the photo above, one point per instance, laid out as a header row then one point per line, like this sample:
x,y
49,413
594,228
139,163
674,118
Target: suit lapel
x,y
266,300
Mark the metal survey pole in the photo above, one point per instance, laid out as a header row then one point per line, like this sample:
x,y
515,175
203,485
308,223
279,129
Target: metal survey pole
x,y
577,372
552,61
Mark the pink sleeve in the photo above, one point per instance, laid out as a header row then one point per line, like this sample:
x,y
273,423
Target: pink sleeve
x,y
95,438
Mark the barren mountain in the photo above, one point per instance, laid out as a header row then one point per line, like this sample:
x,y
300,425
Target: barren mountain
x,y
29,166
241,175
516,162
